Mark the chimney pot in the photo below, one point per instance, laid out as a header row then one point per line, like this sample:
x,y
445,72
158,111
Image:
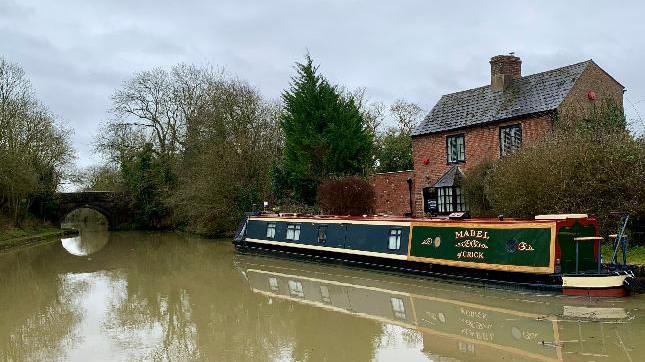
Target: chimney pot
x,y
503,69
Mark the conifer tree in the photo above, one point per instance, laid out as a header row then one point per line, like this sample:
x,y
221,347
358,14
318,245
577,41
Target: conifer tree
x,y
325,135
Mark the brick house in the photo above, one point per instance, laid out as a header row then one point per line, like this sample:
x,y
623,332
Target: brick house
x,y
471,126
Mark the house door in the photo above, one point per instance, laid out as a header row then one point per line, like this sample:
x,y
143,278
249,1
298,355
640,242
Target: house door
x,y
430,200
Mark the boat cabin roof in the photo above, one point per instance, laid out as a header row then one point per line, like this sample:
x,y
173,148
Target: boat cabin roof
x,y
443,219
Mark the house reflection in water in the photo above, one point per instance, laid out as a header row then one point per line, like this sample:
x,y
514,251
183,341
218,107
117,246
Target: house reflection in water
x,y
454,322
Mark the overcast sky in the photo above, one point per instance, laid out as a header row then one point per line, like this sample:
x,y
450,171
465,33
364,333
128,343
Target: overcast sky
x,y
77,53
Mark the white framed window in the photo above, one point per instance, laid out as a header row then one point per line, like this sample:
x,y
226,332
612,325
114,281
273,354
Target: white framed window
x,y
398,307
395,239
273,284
450,199
324,294
271,230
510,139
455,149
293,232
295,289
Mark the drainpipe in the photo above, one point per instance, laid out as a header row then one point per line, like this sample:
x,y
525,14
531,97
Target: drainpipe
x,y
409,180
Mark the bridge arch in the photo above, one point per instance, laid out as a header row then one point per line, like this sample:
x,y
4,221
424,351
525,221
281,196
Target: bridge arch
x,y
113,205
104,212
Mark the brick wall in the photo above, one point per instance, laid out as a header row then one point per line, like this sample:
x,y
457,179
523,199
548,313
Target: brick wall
x,y
505,64
391,189
592,79
481,143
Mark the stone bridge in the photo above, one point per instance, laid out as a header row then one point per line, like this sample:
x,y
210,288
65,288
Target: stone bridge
x,y
113,205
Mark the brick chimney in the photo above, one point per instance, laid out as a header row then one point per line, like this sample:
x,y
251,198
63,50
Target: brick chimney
x,y
503,69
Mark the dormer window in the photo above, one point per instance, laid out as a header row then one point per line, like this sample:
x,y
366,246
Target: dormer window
x,y
455,149
450,199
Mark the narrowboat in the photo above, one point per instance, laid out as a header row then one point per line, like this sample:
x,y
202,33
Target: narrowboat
x,y
551,251
454,323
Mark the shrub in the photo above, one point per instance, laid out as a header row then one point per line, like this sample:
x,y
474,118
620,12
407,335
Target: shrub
x,y
346,196
584,172
288,205
474,187
590,164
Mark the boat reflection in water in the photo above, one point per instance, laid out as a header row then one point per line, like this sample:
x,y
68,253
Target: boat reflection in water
x,y
463,322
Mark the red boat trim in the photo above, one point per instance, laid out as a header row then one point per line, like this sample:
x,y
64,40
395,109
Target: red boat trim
x,y
596,292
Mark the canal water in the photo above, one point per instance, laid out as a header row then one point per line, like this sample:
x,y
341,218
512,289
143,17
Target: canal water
x,y
117,296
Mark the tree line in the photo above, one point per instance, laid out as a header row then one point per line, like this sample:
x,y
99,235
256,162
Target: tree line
x,y
195,147
35,149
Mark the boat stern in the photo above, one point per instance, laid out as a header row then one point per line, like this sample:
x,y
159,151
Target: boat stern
x,y
598,285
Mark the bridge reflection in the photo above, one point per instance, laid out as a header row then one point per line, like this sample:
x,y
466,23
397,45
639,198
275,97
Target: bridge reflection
x,y
92,229
86,243
464,322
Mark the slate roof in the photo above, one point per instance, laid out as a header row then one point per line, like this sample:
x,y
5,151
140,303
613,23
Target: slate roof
x,y
526,95
452,177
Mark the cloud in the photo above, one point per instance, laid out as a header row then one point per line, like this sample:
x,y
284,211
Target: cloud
x,y
11,10
78,52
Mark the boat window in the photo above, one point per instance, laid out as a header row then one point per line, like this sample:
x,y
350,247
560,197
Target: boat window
x,y
293,232
295,289
273,284
395,239
398,307
322,233
510,139
324,294
271,230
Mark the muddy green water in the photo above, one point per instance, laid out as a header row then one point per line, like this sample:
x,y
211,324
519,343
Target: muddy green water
x,y
162,296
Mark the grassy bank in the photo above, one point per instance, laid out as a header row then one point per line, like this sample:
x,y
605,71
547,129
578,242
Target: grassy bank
x,y
635,254
17,233
31,236
31,231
